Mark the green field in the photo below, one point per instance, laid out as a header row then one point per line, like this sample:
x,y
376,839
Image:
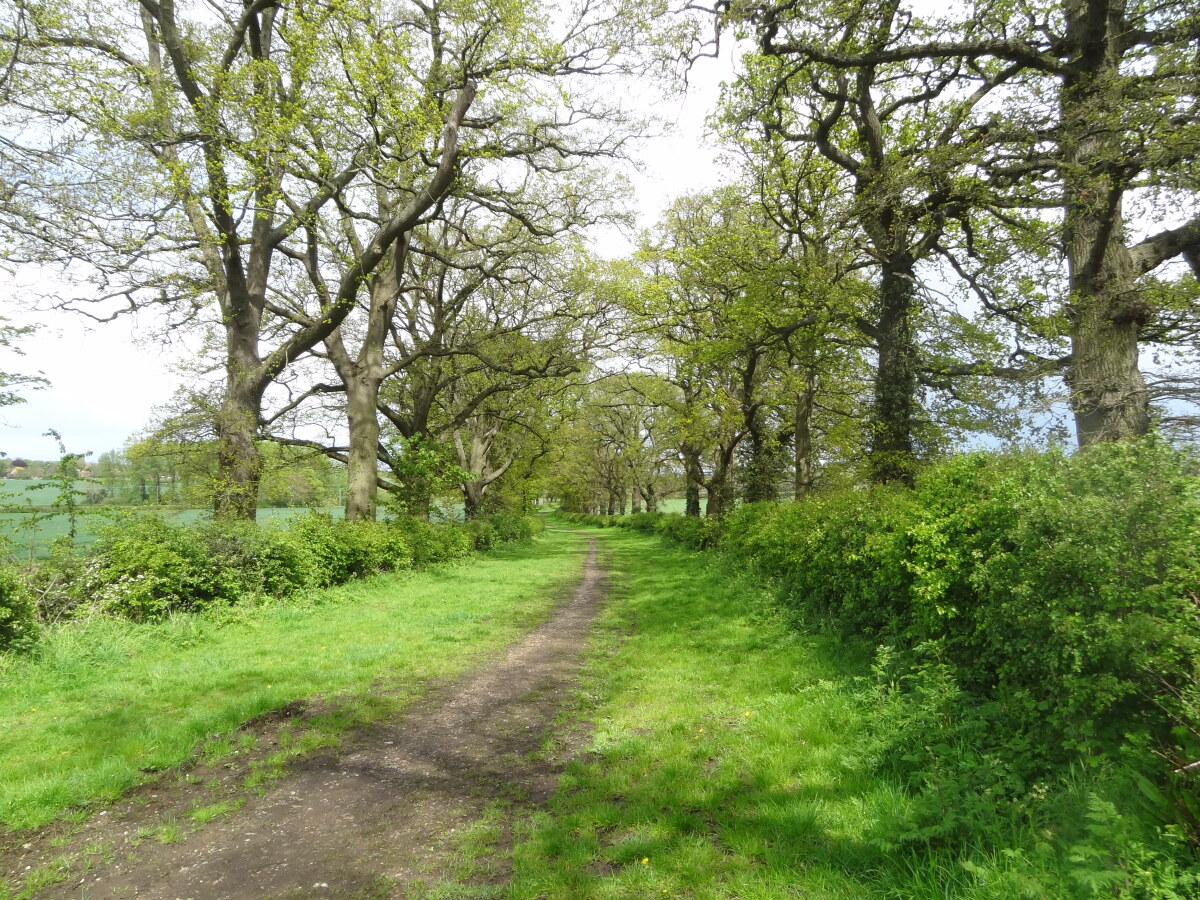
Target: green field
x,y
24,492
30,534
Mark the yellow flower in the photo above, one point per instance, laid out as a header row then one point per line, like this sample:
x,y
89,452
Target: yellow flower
x,y
747,712
645,860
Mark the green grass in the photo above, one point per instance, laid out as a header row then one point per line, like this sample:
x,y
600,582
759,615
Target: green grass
x,y
105,702
730,759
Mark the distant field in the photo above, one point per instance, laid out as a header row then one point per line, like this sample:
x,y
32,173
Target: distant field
x,y
32,534
32,491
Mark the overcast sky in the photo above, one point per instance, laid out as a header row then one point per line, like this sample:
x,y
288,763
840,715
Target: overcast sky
x,y
104,385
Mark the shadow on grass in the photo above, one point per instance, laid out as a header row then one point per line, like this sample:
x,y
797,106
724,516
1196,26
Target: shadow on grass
x,y
731,755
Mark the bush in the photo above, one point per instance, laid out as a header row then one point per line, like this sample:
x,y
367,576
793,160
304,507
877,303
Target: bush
x,y
142,567
432,543
840,558
1061,591
348,550
483,534
510,527
690,531
273,562
643,521
18,612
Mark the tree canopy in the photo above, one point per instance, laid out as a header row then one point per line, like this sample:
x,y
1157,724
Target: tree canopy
x,y
935,225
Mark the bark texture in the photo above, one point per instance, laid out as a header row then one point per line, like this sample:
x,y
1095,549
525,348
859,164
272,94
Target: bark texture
x,y
1107,311
895,408
804,473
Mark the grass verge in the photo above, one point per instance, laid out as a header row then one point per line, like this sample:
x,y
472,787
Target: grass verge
x,y
106,703
732,758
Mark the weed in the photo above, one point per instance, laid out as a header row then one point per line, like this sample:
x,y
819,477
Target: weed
x,y
212,811
168,832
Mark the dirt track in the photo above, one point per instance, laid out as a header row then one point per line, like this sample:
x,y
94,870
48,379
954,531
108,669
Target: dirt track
x,y
378,818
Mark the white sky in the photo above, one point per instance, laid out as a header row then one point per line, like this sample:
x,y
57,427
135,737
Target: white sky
x,y
104,386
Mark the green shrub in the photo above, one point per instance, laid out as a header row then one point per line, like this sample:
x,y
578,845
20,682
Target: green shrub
x,y
329,545
18,612
841,558
348,550
1059,590
430,542
389,549
142,567
643,521
690,531
483,534
273,562
510,527
56,581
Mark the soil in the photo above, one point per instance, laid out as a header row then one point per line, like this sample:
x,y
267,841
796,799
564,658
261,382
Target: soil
x,y
378,817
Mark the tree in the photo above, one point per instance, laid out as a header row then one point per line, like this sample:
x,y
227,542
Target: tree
x,y
1103,105
731,311
12,382
214,132
899,137
527,178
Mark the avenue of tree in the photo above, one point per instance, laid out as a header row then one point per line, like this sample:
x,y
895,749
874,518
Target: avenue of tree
x,y
940,225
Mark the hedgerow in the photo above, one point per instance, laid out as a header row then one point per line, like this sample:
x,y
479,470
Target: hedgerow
x,y
142,567
1037,618
689,531
1062,590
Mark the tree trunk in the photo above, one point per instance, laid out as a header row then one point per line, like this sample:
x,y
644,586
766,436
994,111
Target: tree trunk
x,y
472,500
473,458
1106,309
239,463
804,470
719,488
362,464
651,498
892,456
695,476
760,474
1108,393
636,501
362,375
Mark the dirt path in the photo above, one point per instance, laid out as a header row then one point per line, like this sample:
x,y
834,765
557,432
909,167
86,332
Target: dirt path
x,y
378,818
